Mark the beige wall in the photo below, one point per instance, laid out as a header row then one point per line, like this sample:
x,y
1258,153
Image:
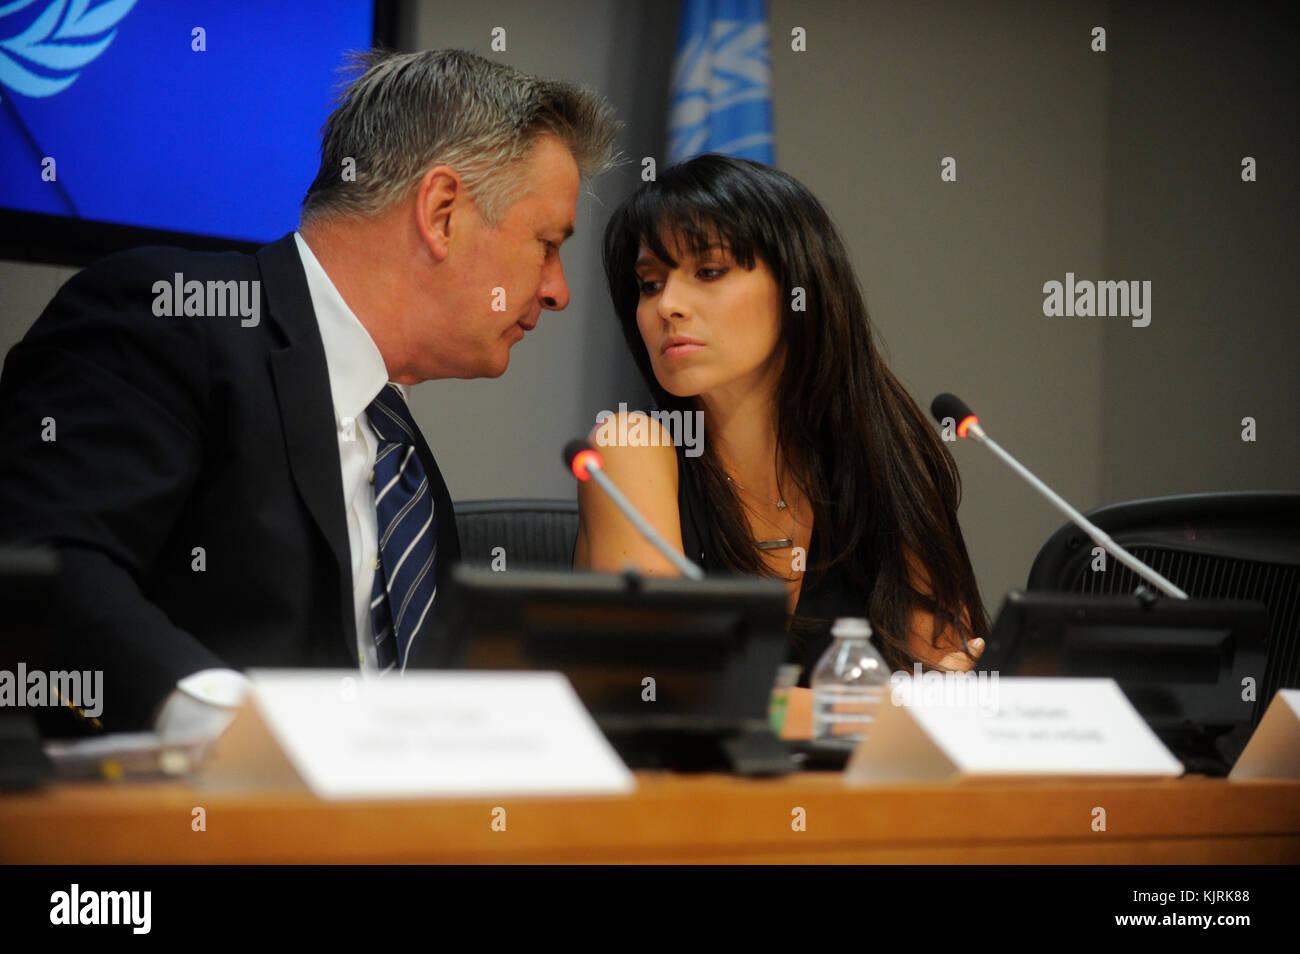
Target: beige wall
x,y
953,271
1114,165
1193,94
25,290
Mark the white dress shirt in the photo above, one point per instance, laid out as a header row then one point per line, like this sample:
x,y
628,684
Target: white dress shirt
x,y
205,702
357,374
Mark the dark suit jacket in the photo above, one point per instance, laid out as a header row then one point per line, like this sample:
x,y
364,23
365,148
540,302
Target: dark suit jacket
x,y
174,434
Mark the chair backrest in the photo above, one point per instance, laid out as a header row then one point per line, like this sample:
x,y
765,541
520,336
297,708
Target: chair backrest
x,y
1214,546
517,534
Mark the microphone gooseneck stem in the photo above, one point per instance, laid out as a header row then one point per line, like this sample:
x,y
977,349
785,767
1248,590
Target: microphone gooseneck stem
x,y
689,569
1098,536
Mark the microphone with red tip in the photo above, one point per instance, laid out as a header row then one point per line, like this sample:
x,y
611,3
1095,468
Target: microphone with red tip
x,y
586,464
950,407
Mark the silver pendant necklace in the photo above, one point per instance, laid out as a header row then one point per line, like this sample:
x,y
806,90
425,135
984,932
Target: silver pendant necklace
x,y
782,543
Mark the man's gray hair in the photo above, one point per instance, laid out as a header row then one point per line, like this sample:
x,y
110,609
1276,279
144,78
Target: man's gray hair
x,y
404,113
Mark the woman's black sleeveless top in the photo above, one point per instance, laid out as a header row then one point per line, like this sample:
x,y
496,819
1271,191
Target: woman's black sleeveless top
x,y
823,597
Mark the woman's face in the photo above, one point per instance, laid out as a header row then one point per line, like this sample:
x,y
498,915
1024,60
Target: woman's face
x,y
709,324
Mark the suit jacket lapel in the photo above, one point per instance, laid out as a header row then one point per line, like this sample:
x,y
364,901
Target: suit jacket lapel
x,y
303,392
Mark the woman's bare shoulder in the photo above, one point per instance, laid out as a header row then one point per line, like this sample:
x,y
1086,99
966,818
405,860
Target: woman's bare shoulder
x,y
635,446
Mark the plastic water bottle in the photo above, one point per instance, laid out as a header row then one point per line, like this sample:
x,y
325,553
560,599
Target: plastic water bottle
x,y
848,683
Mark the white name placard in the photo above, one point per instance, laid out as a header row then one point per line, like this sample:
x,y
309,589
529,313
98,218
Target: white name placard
x,y
422,734
1274,748
1013,727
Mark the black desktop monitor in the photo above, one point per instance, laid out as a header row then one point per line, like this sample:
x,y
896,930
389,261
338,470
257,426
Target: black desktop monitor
x,y
1186,665
676,672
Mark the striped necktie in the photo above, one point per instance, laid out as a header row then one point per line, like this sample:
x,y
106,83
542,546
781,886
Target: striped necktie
x,y
405,581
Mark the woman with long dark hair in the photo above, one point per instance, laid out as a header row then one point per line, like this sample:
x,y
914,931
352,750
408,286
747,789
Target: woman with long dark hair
x,y
736,297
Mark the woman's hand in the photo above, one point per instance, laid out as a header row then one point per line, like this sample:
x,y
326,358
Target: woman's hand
x,y
959,661
922,650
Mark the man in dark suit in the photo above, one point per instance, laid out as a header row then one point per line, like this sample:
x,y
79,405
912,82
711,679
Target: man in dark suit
x,y
218,445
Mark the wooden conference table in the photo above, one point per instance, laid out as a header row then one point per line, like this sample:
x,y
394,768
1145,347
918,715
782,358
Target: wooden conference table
x,y
674,819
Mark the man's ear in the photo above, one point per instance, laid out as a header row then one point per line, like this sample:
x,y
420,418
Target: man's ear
x,y
439,198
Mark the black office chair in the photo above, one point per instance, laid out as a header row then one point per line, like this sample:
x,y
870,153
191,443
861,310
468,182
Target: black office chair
x,y
517,534
1212,546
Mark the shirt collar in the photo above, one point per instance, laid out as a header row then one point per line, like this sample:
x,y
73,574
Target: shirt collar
x,y
356,368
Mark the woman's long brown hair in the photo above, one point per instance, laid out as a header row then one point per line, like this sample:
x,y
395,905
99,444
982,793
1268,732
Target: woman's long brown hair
x,y
879,479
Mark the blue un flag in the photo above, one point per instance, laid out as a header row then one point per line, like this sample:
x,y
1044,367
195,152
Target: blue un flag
x,y
722,82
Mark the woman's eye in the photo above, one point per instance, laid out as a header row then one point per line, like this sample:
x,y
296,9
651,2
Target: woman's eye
x,y
648,287
711,274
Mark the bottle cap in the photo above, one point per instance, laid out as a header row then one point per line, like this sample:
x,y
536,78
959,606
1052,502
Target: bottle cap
x,y
851,626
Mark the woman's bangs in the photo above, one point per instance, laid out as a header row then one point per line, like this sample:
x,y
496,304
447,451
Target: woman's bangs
x,y
693,223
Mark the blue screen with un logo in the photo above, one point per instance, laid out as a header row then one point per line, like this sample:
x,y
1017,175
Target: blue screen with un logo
x,y
199,117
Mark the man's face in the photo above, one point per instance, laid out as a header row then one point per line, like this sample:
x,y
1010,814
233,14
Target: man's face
x,y
505,276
